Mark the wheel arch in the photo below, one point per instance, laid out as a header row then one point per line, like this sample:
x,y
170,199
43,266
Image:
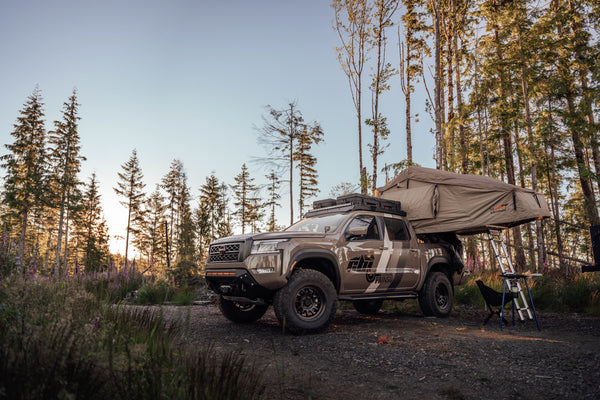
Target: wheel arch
x,y
440,264
323,261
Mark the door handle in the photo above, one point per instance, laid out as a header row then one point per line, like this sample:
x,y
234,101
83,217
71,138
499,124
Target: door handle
x,y
414,251
383,248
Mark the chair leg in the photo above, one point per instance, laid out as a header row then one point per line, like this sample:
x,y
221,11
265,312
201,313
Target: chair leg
x,y
488,317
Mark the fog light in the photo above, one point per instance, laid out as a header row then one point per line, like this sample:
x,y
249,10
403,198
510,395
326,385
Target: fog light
x,y
264,270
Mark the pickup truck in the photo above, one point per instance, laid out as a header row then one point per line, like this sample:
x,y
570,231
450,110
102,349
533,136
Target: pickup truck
x,y
354,248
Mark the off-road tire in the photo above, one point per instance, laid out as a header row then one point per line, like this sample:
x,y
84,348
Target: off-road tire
x,y
307,304
241,312
436,296
369,307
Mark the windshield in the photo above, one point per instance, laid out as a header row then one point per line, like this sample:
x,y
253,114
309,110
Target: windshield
x,y
318,224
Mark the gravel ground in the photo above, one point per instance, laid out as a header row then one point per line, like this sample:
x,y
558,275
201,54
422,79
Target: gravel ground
x,y
403,355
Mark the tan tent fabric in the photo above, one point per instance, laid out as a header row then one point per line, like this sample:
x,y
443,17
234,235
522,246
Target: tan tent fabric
x,y
439,201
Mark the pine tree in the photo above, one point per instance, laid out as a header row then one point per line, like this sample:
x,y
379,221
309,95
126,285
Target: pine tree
x,y
131,187
211,215
246,203
25,164
150,239
92,231
213,210
174,183
66,161
185,229
273,199
279,135
306,162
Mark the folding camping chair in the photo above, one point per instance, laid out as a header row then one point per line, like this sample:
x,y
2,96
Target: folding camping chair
x,y
494,299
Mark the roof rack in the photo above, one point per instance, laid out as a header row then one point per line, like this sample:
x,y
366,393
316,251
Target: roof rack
x,y
353,202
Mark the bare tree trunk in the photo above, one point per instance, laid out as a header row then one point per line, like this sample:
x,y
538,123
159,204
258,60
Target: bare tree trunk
x,y
580,159
405,83
66,241
60,233
553,183
450,143
47,257
292,133
541,246
167,245
438,87
20,262
459,99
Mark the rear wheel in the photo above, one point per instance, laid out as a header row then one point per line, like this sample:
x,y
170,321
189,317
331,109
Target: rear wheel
x,y
437,295
307,303
367,306
241,312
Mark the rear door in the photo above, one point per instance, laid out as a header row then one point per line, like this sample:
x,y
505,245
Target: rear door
x,y
405,261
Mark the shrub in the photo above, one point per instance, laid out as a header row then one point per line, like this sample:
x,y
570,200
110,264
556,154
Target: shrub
x,y
155,293
60,341
468,293
112,285
183,272
184,296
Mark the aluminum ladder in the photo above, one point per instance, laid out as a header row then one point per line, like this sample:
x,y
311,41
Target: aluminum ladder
x,y
512,280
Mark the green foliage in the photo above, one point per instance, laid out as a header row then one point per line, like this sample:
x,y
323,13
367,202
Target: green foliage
x,y
155,293
468,293
92,229
60,341
111,285
184,296
246,200
131,188
183,272
579,294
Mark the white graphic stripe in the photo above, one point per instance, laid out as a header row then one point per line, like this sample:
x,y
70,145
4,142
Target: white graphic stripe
x,y
383,261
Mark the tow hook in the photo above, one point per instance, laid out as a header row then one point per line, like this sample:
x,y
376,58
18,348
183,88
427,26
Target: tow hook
x,y
225,289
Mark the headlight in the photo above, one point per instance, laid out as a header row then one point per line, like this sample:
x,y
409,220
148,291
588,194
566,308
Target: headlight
x,y
265,246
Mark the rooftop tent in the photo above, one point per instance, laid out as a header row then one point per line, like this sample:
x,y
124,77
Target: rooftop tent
x,y
438,201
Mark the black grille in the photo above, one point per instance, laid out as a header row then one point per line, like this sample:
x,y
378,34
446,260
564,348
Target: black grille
x,y
224,252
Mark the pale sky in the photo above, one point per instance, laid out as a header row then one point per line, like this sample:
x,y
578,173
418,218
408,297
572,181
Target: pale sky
x,y
189,80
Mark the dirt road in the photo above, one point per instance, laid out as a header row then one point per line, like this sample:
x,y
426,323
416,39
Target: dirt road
x,y
402,355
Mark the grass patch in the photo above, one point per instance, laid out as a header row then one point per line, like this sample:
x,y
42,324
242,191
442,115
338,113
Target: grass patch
x,y
580,293
156,292
60,340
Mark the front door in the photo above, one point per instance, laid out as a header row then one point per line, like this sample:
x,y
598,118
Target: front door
x,y
365,256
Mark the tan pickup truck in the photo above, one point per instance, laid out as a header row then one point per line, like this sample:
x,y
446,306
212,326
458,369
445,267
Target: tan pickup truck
x,y
354,248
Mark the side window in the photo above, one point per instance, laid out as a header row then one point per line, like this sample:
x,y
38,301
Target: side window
x,y
396,229
366,225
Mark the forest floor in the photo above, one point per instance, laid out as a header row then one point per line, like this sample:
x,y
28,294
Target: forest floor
x,y
399,354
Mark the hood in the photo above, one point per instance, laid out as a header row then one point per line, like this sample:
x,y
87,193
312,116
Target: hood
x,y
268,236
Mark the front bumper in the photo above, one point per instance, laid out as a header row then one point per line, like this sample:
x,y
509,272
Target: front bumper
x,y
235,282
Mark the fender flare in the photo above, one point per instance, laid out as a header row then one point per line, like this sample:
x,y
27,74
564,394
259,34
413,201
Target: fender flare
x,y
434,261
316,253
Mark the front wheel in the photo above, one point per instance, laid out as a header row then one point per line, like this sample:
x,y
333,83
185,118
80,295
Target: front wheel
x,y
307,303
436,296
241,312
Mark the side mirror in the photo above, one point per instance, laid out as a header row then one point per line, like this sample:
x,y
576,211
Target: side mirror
x,y
357,231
